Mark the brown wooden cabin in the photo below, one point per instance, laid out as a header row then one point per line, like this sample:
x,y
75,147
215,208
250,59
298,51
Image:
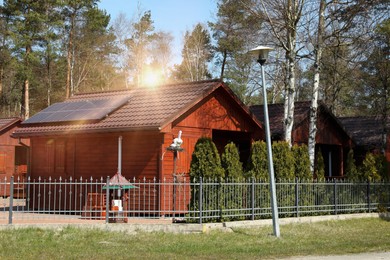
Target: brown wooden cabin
x,y
369,134
13,157
77,143
331,139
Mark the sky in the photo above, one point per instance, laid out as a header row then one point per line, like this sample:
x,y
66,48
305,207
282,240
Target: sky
x,y
174,16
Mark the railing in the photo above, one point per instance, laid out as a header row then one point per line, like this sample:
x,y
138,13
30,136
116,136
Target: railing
x,y
195,201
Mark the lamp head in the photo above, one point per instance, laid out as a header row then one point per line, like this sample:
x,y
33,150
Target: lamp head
x,y
261,53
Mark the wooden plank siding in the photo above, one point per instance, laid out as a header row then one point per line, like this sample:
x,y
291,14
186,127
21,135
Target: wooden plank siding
x,y
13,159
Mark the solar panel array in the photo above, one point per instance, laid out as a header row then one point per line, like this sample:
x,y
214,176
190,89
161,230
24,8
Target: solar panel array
x,y
86,110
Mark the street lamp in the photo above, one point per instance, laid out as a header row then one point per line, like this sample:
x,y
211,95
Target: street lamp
x,y
261,54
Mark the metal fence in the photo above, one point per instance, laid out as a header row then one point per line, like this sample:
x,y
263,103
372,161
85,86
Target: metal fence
x,y
196,201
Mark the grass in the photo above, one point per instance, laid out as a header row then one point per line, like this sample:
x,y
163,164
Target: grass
x,y
322,238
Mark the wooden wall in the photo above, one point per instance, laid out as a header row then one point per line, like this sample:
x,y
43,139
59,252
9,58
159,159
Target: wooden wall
x,y
13,158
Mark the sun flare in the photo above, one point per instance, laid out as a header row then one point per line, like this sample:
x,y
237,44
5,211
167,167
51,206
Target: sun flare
x,y
152,77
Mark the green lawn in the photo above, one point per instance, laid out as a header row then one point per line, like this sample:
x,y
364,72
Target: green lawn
x,y
322,238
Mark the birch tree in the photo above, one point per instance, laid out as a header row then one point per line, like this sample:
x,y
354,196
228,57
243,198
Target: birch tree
x,y
282,18
316,85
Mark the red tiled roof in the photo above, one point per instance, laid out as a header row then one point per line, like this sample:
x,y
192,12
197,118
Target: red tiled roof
x,y
148,108
7,122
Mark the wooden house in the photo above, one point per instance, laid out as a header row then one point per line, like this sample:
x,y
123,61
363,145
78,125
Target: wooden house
x,y
369,134
331,139
79,137
13,155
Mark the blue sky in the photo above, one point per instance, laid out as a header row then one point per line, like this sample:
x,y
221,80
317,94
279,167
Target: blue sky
x,y
175,16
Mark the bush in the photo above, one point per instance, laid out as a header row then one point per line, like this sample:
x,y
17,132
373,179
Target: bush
x,y
231,162
301,162
206,163
351,170
257,166
205,160
319,166
369,169
283,161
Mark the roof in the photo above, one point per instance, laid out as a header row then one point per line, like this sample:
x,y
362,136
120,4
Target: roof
x,y
276,115
146,109
365,131
301,113
5,123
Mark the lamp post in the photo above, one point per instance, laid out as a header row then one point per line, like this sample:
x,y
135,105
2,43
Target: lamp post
x,y
261,54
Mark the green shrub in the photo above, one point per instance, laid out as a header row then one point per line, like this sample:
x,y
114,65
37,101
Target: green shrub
x,y
283,161
231,162
319,166
351,170
206,163
205,160
301,162
257,166
369,169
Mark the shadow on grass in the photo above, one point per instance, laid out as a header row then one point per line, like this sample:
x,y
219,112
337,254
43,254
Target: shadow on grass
x,y
384,216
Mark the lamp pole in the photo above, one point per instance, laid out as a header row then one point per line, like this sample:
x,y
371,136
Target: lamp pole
x,y
261,54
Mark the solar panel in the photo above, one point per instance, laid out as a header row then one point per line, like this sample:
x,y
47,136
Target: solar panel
x,y
84,110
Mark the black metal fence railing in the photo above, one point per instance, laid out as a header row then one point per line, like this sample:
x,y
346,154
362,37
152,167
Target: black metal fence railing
x,y
196,201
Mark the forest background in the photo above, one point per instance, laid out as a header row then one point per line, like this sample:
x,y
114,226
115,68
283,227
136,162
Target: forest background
x,y
336,51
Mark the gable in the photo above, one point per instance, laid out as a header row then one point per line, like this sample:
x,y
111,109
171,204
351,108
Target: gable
x,y
218,112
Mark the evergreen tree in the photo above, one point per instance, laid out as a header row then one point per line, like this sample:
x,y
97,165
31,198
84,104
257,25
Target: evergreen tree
x,y
283,161
27,19
319,170
206,163
196,53
205,160
231,162
351,170
369,169
301,162
233,194
257,165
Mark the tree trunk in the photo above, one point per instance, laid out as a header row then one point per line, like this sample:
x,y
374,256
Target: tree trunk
x,y
316,84
290,95
69,57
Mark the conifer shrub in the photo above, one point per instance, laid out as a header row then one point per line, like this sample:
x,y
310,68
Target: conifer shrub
x,y
351,170
283,161
369,170
231,162
257,166
319,170
233,194
301,162
206,163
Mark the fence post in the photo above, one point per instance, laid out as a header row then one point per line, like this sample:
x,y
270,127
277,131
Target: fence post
x,y
368,196
335,196
107,198
200,199
253,198
297,195
11,201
